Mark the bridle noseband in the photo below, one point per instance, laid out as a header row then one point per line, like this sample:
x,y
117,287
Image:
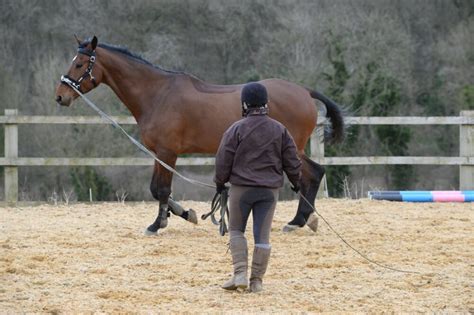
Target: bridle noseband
x,y
67,80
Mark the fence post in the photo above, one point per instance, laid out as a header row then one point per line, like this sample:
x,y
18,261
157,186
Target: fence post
x,y
317,154
466,149
11,151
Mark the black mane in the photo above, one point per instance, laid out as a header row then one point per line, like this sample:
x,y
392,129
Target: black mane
x,y
124,51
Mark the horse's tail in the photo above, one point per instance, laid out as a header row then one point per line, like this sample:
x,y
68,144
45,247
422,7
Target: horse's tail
x,y
335,114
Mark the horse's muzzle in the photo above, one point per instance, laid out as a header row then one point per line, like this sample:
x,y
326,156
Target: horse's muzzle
x,y
63,101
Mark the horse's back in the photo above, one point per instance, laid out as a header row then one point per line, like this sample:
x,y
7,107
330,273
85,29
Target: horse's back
x,y
293,106
208,110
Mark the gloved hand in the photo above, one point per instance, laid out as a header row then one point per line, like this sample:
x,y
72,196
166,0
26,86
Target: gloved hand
x,y
220,188
295,188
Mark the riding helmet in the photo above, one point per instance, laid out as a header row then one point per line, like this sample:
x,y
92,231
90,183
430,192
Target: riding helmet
x,y
254,95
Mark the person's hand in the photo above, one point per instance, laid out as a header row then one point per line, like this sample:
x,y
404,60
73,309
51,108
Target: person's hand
x,y
295,188
220,188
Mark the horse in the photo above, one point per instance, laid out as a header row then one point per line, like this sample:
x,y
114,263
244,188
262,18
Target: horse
x,y
178,113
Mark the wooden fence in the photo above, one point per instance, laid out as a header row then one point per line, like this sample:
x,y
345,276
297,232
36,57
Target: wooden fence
x,y
465,160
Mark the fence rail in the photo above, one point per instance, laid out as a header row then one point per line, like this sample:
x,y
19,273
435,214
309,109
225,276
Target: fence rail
x,y
465,161
354,120
200,161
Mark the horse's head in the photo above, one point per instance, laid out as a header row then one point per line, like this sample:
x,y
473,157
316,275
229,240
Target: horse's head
x,y
81,75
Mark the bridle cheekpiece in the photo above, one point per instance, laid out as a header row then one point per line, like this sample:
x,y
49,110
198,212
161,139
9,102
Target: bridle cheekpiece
x,y
67,80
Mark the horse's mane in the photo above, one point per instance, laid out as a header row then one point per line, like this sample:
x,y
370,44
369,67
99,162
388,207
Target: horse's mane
x,y
124,51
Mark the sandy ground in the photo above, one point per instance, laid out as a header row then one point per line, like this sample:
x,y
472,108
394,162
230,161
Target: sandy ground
x,y
95,258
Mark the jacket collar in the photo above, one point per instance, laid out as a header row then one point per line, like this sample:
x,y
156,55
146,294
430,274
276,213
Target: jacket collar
x,y
257,111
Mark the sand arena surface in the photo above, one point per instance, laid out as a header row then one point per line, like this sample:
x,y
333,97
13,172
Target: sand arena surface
x,y
95,258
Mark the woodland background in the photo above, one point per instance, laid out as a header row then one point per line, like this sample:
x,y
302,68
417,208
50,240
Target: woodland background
x,y
376,57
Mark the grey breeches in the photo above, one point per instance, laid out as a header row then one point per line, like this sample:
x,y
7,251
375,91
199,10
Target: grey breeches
x,y
261,201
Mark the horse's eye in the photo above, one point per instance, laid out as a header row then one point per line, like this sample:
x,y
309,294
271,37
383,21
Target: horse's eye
x,y
79,65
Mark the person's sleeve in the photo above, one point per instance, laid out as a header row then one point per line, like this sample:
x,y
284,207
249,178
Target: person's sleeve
x,y
290,159
225,157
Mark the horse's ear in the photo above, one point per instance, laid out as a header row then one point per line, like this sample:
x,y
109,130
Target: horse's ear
x,y
94,42
79,42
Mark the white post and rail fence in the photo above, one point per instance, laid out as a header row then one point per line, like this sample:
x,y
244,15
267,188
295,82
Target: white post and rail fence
x,y
11,162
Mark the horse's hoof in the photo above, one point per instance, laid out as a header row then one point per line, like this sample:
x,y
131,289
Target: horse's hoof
x,y
290,228
192,216
150,233
313,222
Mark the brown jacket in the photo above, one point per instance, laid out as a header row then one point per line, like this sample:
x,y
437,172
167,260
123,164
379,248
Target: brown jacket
x,y
255,151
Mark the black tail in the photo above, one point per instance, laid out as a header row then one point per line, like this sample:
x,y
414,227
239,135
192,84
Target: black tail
x,y
336,117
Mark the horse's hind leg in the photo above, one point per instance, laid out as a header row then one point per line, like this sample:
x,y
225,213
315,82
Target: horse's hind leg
x,y
312,174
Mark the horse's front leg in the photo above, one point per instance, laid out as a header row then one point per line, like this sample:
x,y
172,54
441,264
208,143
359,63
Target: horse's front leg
x,y
160,188
189,215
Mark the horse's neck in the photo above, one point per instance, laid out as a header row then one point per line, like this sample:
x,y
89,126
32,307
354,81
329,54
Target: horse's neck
x,y
131,81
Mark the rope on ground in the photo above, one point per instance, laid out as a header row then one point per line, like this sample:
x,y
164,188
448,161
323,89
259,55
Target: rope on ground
x,y
352,247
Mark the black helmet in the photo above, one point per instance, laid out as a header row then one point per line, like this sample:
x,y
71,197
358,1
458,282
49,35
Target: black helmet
x,y
254,95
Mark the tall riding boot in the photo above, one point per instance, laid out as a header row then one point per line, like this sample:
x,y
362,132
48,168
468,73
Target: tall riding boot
x,y
261,256
238,249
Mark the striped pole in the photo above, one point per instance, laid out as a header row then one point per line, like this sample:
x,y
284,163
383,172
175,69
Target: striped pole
x,y
424,195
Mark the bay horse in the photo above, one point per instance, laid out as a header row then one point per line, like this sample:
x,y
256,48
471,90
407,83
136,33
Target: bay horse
x,y
178,113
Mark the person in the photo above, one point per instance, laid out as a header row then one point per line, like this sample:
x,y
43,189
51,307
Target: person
x,y
253,154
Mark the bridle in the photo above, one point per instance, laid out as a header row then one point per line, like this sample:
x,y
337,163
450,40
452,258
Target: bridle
x,y
67,80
